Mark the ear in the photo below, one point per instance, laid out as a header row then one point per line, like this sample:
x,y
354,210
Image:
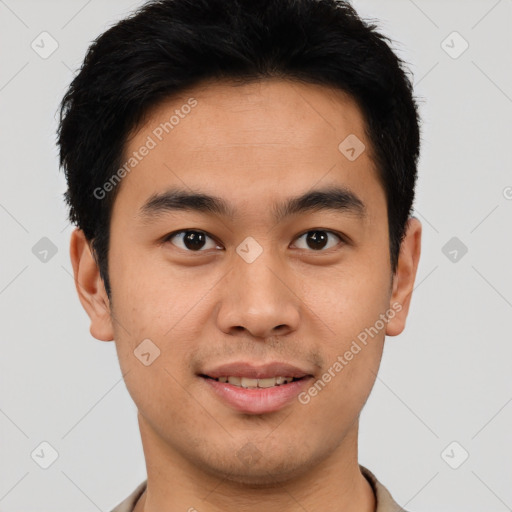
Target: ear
x,y
90,287
403,279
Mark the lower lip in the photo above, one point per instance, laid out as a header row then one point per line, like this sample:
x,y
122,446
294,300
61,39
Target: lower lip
x,y
257,400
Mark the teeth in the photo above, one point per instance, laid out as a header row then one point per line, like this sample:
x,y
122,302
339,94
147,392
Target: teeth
x,y
245,382
267,383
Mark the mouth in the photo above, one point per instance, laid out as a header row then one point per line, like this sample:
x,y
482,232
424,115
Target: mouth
x,y
256,396
250,383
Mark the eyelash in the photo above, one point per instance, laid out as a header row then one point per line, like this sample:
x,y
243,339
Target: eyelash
x,y
170,236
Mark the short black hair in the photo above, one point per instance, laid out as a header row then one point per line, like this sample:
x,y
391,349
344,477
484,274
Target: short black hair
x,y
167,46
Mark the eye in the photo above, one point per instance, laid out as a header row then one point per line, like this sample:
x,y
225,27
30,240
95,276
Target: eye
x,y
199,241
318,239
191,240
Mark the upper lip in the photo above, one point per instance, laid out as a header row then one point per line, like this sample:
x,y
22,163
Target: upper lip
x,y
252,371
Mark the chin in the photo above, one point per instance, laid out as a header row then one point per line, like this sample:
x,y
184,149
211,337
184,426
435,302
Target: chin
x,y
258,474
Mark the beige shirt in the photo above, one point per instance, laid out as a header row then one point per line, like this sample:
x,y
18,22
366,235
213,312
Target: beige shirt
x,y
383,499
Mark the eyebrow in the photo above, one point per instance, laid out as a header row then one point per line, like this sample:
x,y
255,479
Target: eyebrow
x,y
338,199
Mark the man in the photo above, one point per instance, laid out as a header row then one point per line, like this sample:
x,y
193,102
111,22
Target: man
x,y
241,175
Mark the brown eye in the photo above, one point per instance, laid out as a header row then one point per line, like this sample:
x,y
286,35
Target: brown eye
x,y
318,239
191,240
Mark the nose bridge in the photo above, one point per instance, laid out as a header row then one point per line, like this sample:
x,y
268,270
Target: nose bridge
x,y
257,296
258,280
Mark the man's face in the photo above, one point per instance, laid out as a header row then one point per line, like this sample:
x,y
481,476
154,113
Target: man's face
x,y
250,286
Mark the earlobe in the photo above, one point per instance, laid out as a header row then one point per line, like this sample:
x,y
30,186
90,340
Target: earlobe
x,y
90,287
403,280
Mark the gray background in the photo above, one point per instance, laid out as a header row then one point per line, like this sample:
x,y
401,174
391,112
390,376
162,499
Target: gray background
x,y
445,379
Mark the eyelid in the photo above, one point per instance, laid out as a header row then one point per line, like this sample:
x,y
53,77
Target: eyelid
x,y
343,238
169,236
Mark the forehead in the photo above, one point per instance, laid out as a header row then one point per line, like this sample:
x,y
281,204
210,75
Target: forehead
x,y
246,113
251,140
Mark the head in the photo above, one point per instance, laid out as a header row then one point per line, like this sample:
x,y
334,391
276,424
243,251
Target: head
x,y
241,175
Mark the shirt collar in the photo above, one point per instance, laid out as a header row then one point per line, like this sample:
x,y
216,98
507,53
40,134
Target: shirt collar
x,y
383,499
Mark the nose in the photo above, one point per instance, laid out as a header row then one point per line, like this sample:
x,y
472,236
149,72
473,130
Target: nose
x,y
258,298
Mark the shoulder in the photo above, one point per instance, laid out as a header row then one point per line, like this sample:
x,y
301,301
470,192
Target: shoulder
x,y
383,498
128,504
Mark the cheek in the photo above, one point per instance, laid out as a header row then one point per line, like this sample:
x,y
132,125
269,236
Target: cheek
x,y
153,296
348,299
169,307
156,329
350,305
